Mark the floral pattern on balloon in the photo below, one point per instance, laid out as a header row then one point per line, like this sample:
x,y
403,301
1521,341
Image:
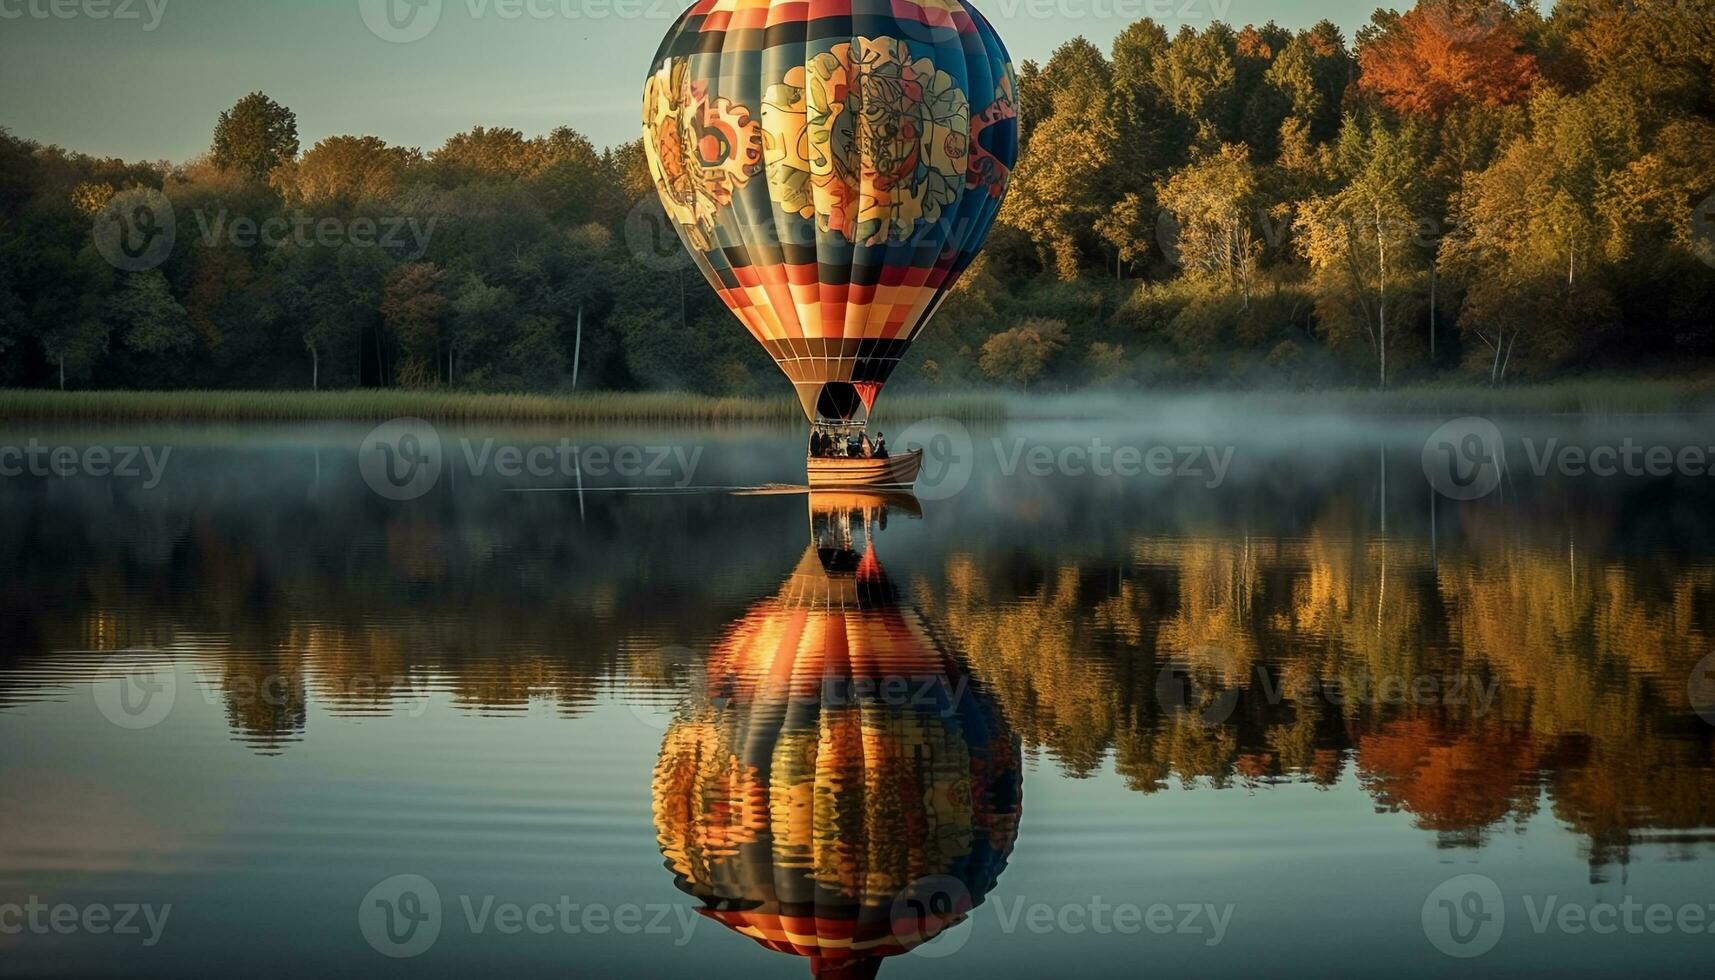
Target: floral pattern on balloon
x,y
995,128
703,148
867,140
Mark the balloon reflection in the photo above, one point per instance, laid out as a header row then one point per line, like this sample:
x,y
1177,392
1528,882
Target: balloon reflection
x,y
838,787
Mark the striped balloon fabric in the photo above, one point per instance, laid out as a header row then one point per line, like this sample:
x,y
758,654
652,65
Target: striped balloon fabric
x,y
838,787
832,166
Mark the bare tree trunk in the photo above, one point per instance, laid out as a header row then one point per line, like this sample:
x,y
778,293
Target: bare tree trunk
x,y
380,360
62,372
1381,305
578,347
315,369
1432,284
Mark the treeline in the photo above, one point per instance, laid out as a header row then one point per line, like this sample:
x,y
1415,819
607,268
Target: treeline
x,y
1472,188
1469,188
496,262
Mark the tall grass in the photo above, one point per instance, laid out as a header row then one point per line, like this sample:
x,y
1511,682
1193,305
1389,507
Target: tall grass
x,y
363,405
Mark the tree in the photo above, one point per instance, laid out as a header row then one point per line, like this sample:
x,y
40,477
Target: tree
x,y
1312,73
1445,53
1359,239
1021,355
481,313
255,136
1200,79
150,320
1555,203
572,180
1129,228
1058,188
1215,201
488,152
415,310
340,171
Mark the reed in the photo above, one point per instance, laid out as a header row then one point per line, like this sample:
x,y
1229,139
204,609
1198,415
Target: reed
x,y
364,405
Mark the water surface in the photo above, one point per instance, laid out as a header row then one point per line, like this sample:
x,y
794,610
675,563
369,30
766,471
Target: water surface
x,y
1250,712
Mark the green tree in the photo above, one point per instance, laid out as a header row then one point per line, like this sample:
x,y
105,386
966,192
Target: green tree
x,y
255,136
1360,240
149,319
415,311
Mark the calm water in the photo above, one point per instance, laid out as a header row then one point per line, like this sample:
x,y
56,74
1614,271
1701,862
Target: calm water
x,y
1259,709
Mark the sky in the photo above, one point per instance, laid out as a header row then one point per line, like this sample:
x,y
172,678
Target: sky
x,y
147,79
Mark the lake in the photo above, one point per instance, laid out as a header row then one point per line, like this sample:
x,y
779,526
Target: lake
x,y
1175,693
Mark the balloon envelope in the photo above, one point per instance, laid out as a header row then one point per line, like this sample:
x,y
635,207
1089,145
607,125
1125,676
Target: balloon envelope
x,y
839,787
832,166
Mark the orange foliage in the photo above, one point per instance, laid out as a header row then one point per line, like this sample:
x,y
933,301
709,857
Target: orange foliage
x,y
1453,782
1447,52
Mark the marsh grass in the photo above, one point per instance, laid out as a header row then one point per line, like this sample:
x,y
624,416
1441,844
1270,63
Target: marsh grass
x,y
365,405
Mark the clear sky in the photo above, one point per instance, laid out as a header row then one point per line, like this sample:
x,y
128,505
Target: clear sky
x,y
146,79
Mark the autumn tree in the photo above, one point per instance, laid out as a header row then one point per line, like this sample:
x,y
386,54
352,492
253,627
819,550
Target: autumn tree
x,y
1215,203
1062,182
343,170
1021,355
1444,53
1360,239
1533,225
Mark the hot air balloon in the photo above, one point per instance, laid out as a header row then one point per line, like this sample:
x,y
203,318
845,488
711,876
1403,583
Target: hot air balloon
x,y
838,787
832,166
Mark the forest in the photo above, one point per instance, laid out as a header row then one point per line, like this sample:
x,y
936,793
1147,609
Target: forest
x,y
1472,190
